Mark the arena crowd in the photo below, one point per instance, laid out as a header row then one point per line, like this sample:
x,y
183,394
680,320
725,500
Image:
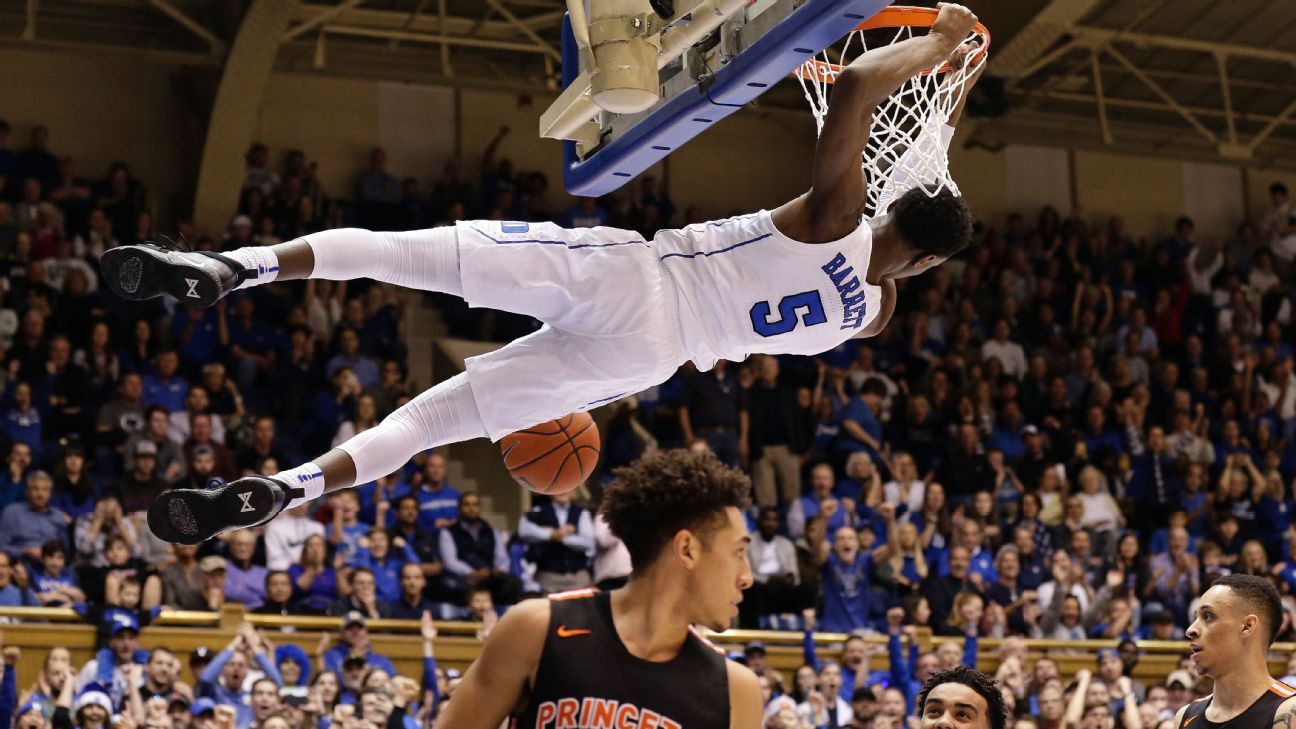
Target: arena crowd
x,y
1066,433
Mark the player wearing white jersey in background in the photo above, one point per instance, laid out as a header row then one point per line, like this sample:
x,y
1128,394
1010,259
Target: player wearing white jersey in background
x,y
621,313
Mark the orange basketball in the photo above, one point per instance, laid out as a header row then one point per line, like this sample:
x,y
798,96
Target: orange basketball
x,y
553,457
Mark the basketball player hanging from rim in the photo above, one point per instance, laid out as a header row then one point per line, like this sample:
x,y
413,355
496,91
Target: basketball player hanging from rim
x,y
621,313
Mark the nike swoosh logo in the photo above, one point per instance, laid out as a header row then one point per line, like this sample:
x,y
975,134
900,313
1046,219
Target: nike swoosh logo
x,y
565,632
1190,720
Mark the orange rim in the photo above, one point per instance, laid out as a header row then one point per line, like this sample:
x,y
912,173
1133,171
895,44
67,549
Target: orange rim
x,y
897,16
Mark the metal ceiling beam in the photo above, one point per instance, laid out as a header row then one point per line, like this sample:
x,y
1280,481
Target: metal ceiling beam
x,y
525,30
321,18
1210,80
446,67
1105,35
178,58
1053,130
456,25
433,38
1144,105
29,31
1283,118
1169,100
1039,35
1098,95
1222,62
215,45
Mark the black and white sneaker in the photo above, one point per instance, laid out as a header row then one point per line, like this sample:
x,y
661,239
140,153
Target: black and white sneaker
x,y
149,270
192,516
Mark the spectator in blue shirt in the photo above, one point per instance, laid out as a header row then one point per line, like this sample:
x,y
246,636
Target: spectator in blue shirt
x,y
11,595
981,569
245,580
166,388
820,499
13,480
438,500
105,669
54,584
222,681
22,422
27,525
1098,435
861,430
365,369
390,489
314,580
854,656
348,530
585,213
253,343
385,563
849,602
353,640
196,333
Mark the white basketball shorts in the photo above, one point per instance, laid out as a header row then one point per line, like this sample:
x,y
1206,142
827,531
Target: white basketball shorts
x,y
610,312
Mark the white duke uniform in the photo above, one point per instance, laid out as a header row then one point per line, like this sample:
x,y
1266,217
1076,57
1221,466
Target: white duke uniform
x,y
622,313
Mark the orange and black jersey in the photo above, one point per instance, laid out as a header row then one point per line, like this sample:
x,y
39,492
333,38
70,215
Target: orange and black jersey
x,y
587,679
1260,715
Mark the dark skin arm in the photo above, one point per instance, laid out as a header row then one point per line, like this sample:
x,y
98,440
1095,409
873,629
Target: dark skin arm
x,y
835,202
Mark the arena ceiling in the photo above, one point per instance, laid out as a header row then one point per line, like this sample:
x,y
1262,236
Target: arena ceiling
x,y
1188,78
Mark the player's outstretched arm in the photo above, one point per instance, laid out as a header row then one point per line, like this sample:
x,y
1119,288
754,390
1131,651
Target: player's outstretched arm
x,y
745,701
495,681
837,187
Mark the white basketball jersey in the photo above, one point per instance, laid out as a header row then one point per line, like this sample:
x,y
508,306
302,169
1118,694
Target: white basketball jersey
x,y
745,288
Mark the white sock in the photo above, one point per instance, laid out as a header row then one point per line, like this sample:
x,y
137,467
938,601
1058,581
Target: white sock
x,y
307,477
260,259
447,413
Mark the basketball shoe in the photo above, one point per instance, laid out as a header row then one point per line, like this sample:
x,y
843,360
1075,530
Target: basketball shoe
x,y
192,516
148,270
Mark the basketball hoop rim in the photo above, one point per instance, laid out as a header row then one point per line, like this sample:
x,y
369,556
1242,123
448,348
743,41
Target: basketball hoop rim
x,y
895,16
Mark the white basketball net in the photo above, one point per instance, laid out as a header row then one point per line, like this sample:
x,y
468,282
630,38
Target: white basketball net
x,y
905,147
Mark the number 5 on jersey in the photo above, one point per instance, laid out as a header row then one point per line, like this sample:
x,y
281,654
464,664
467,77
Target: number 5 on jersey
x,y
807,304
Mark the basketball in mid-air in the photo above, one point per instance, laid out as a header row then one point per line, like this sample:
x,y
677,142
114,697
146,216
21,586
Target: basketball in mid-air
x,y
553,457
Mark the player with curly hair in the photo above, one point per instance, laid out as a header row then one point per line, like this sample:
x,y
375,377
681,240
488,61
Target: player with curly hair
x,y
630,657
962,697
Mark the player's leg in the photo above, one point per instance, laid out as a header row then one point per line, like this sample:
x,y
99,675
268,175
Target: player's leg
x,y
419,259
446,413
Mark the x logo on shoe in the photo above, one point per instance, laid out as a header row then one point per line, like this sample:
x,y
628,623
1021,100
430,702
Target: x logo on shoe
x,y
246,496
193,288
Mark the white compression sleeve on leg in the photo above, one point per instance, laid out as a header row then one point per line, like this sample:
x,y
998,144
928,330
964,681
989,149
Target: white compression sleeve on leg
x,y
447,413
427,260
